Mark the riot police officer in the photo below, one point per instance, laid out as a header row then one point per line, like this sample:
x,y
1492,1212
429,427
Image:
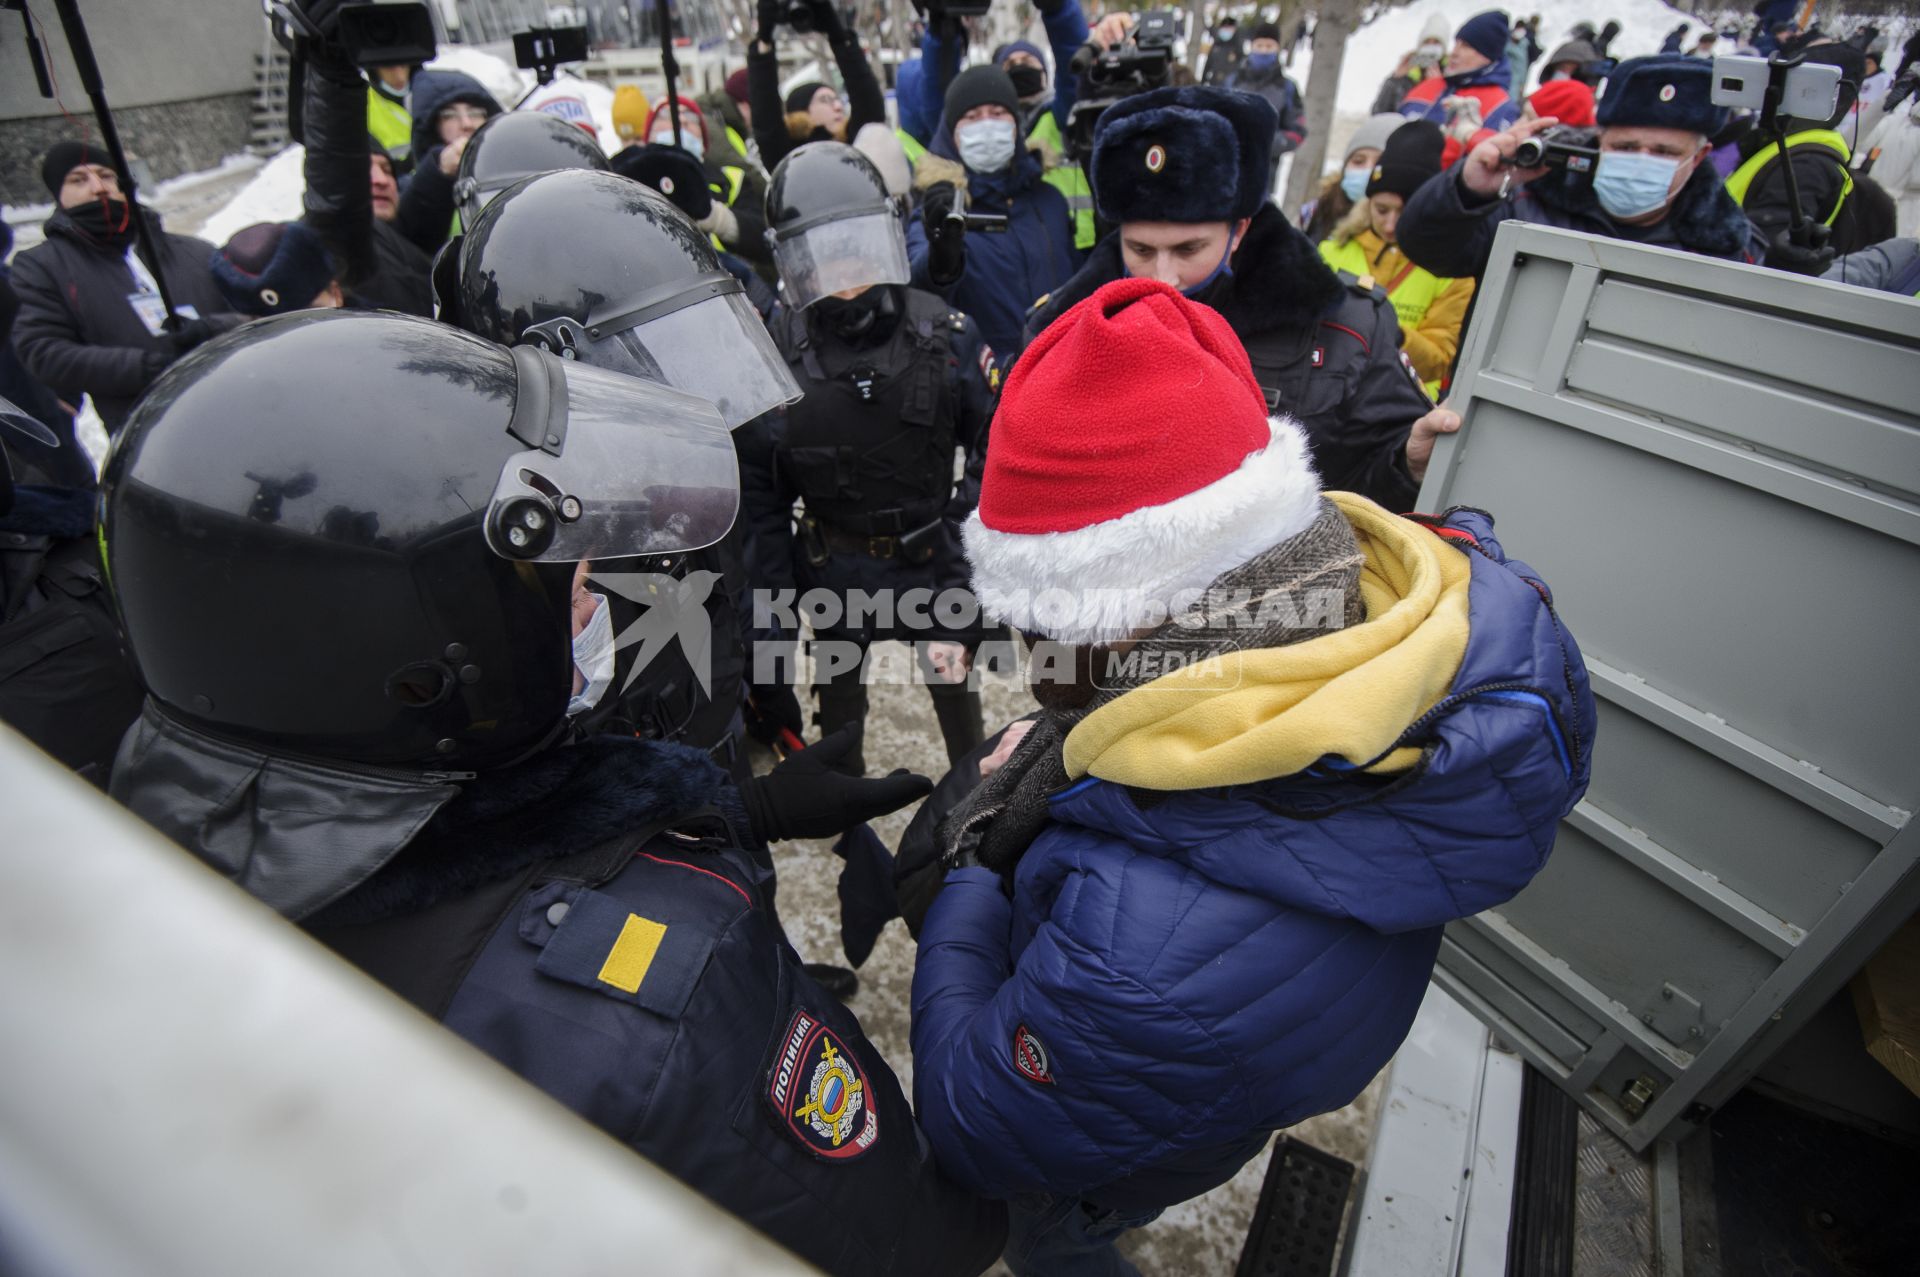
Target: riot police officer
x,y
894,382
638,291
353,626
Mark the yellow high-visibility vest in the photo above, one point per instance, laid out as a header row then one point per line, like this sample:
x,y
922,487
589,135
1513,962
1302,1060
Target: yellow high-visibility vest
x,y
1743,177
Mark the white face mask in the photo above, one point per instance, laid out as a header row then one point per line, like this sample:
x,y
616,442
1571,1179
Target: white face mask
x,y
985,146
593,657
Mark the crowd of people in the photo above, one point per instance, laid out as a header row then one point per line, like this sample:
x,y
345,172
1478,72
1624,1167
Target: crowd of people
x,y
458,535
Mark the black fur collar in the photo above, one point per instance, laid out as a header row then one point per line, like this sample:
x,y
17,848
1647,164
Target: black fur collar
x,y
1703,219
1279,280
558,803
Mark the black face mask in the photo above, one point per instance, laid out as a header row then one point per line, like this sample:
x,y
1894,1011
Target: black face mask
x,y
1028,81
867,316
103,221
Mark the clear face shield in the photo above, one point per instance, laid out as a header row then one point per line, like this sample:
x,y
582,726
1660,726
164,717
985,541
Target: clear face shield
x,y
613,467
705,339
819,257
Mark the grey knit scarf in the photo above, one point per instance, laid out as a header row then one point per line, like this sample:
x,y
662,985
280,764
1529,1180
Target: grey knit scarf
x,y
1299,589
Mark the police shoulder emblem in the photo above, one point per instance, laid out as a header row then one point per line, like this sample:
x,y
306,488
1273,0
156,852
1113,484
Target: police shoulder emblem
x,y
1030,1056
819,1091
1156,158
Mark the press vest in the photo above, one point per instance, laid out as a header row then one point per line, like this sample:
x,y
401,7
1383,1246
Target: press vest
x,y
870,444
1744,176
390,125
1068,179
1412,293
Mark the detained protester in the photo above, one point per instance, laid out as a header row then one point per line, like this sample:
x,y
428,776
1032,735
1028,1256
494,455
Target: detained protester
x,y
1652,184
1431,309
352,199
1201,899
271,268
64,683
1183,172
568,910
91,320
978,163
1345,190
894,381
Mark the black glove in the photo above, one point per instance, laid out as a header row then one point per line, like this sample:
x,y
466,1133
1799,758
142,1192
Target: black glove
x,y
946,233
771,707
1801,259
769,13
153,363
826,17
804,797
189,334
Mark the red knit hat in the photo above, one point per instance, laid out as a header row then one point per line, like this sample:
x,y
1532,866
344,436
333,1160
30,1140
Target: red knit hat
x,y
1567,101
690,116
1131,459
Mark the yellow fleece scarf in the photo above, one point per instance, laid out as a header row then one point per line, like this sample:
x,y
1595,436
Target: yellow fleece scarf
x,y
1251,716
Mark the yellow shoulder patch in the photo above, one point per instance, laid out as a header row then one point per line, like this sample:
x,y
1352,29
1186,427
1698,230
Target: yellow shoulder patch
x,y
632,953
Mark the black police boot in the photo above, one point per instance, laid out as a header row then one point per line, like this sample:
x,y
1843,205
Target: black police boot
x,y
841,982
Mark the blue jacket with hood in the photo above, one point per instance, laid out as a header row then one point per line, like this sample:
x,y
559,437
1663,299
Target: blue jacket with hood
x,y
1180,974
1006,271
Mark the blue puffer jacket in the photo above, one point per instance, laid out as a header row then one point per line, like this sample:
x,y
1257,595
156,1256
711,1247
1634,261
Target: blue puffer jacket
x,y
1174,980
1006,271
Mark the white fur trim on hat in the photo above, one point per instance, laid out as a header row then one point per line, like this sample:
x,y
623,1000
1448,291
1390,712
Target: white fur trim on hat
x,y
1105,581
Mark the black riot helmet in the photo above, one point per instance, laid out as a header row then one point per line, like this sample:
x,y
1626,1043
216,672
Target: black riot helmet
x,y
598,268
515,145
351,536
832,225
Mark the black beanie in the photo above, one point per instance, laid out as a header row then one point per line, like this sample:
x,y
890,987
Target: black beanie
x,y
1265,31
802,96
980,86
64,157
1410,157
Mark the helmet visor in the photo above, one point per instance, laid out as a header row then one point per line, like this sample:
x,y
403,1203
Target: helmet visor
x,y
615,467
717,349
844,253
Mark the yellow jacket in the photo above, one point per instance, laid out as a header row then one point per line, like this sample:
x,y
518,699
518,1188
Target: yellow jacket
x,y
1431,309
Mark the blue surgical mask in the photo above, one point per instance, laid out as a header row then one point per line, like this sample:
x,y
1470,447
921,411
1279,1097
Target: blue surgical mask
x,y
985,146
1629,184
1354,182
1261,61
1199,291
686,141
593,650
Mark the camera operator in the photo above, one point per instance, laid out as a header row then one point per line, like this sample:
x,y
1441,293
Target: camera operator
x,y
1045,103
1651,183
812,112
1820,156
978,165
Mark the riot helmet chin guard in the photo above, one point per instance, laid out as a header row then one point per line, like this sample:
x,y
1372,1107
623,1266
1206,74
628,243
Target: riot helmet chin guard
x,y
603,271
516,145
832,226
351,536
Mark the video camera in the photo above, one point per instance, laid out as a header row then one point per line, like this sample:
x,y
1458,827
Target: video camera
x,y
370,33
1138,64
1563,146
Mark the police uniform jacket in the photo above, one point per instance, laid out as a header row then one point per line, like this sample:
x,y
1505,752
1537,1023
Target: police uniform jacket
x,y
590,919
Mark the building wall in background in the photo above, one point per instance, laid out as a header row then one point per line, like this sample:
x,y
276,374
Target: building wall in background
x,y
179,75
